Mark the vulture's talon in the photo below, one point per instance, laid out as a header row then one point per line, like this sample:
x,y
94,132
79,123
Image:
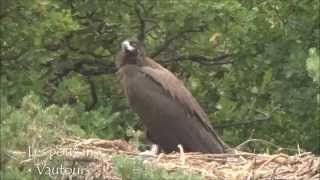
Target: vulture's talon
x,y
153,152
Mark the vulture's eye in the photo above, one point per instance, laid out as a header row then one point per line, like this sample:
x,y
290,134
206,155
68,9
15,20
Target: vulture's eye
x,y
133,43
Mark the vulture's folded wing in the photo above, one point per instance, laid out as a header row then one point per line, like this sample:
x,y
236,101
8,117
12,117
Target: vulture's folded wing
x,y
176,90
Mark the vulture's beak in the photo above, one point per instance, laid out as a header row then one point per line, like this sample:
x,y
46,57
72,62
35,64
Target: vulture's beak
x,y
126,47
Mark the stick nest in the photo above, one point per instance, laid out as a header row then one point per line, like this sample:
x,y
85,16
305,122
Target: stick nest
x,y
96,156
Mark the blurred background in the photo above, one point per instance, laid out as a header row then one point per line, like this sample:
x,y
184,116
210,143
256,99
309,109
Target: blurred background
x,y
253,66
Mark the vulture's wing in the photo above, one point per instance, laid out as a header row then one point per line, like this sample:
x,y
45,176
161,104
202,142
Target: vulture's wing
x,y
169,82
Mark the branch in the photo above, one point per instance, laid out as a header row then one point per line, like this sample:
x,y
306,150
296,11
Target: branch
x,y
236,124
62,68
53,83
99,68
282,20
176,36
96,72
93,94
68,45
138,7
205,60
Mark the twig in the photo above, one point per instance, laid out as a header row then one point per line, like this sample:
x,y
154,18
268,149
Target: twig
x,y
94,96
138,11
172,38
219,60
258,119
271,159
264,142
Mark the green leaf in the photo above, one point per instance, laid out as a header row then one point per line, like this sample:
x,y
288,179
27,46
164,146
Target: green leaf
x,y
313,65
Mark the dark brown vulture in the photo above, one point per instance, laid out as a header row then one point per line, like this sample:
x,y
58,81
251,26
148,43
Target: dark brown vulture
x,y
169,112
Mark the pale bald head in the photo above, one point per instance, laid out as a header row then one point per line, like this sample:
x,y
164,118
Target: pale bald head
x,y
132,52
126,46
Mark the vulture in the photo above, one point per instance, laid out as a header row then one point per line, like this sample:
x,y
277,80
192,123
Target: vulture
x,y
168,111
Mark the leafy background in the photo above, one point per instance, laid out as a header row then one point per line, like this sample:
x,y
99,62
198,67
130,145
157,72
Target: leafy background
x,y
253,66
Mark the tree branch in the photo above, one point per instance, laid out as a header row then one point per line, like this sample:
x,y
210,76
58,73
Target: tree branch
x,y
169,40
62,68
266,117
138,7
93,94
218,60
237,124
99,68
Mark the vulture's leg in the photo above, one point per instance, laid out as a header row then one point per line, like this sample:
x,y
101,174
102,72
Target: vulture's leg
x,y
155,149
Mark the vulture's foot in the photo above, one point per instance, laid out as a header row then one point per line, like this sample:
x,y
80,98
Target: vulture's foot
x,y
154,151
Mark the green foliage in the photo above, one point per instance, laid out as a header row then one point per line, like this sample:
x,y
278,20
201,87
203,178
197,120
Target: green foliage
x,y
33,126
104,123
134,169
63,52
15,173
313,65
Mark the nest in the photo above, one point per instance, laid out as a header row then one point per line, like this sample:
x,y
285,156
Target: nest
x,y
95,155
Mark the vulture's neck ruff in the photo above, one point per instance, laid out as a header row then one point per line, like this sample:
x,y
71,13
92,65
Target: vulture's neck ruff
x,y
131,53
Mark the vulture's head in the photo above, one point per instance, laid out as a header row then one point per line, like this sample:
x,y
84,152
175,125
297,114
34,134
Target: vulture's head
x,y
132,52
